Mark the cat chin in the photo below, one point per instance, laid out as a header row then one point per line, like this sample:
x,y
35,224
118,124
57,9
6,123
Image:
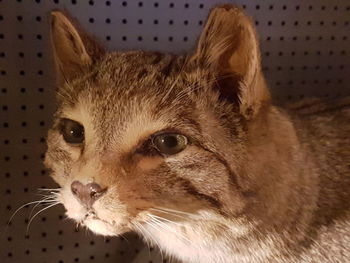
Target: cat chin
x,y
100,227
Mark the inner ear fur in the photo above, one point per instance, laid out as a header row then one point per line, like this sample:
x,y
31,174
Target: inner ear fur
x,y
74,51
228,46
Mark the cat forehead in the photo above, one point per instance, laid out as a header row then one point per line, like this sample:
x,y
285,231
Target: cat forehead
x,y
128,75
141,65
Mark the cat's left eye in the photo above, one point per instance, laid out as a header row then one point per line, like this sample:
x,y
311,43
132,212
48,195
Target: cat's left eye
x,y
170,143
72,131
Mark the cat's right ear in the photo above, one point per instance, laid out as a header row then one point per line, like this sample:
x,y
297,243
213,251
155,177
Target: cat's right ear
x,y
74,51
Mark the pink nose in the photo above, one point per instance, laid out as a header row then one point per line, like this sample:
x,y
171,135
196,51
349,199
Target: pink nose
x,y
87,194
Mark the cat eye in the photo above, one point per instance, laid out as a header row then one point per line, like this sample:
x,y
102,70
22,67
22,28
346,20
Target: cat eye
x,y
170,143
72,131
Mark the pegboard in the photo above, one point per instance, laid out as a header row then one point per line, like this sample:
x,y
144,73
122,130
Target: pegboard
x,y
305,52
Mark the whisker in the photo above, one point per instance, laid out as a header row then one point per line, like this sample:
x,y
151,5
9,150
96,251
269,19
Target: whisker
x,y
166,220
198,85
168,213
42,210
124,237
177,213
45,201
162,225
176,80
154,240
49,189
22,206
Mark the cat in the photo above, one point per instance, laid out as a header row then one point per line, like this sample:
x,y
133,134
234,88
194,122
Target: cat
x,y
191,153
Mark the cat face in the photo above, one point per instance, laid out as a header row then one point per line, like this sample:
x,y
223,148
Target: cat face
x,y
140,137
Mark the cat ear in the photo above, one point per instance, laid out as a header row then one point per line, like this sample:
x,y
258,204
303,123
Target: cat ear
x,y
74,51
229,47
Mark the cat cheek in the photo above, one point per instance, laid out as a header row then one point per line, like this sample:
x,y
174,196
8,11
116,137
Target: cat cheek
x,y
149,163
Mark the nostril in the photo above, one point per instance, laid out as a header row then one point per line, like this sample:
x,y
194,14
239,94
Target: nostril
x,y
74,191
93,194
96,190
76,187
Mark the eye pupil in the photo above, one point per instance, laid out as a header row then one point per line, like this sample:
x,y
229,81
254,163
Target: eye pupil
x,y
170,141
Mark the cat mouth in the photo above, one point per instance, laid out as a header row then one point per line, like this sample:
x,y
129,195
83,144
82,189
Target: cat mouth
x,y
91,215
98,225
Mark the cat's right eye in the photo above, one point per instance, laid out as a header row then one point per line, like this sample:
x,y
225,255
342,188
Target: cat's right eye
x,y
72,131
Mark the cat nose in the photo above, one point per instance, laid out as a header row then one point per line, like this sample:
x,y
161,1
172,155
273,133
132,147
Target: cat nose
x,y
87,194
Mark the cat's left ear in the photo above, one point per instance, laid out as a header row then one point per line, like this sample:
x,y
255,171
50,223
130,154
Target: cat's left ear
x,y
229,48
74,50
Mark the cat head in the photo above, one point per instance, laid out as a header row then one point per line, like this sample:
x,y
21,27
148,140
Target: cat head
x,y
139,136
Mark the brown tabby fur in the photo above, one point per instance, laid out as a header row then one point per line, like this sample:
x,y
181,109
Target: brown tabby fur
x,y
257,183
